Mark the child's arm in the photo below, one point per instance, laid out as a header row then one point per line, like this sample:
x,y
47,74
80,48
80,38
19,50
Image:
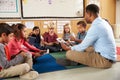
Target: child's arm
x,y
4,63
65,47
75,39
30,47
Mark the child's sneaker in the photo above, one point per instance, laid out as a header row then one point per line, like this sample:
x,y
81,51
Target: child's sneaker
x,y
30,75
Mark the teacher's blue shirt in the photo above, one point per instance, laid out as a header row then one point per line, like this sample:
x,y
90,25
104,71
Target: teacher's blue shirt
x,y
100,36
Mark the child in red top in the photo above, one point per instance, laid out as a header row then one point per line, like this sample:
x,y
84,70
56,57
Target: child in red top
x,y
19,43
50,39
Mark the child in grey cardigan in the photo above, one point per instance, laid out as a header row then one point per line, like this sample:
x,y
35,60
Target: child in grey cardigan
x,y
19,65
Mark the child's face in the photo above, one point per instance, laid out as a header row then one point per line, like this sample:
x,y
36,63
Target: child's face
x,y
23,32
67,29
80,28
6,38
10,36
36,31
51,30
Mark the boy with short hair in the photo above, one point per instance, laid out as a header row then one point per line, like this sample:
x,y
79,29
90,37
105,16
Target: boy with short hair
x,y
17,66
81,26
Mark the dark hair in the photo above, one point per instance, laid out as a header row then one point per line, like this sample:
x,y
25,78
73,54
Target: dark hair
x,y
18,28
92,8
36,27
5,28
38,36
82,23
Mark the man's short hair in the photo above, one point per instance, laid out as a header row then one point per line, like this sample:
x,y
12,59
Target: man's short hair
x,y
5,28
82,23
92,8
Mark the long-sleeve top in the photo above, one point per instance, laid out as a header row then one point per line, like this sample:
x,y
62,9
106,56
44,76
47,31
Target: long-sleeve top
x,y
37,38
4,63
15,46
100,36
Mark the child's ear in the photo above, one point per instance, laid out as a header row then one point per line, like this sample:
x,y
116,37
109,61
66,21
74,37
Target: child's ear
x,y
3,34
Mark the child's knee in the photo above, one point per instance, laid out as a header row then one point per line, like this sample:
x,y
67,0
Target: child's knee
x,y
26,67
29,55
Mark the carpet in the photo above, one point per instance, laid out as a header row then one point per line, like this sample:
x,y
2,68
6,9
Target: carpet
x,y
62,54
47,63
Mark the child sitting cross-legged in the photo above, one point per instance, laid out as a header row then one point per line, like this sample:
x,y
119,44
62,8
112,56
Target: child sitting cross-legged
x,y
81,26
20,65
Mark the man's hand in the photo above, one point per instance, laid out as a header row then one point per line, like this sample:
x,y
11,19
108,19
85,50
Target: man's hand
x,y
65,47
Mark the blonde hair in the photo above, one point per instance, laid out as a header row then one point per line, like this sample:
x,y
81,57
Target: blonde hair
x,y
51,25
68,26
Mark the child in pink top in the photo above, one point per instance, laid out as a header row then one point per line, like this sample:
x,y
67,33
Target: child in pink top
x,y
19,43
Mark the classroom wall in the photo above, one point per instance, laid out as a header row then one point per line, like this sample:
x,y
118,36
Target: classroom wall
x,y
117,26
118,12
108,11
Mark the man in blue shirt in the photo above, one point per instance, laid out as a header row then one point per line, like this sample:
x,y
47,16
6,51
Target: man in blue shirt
x,y
100,36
